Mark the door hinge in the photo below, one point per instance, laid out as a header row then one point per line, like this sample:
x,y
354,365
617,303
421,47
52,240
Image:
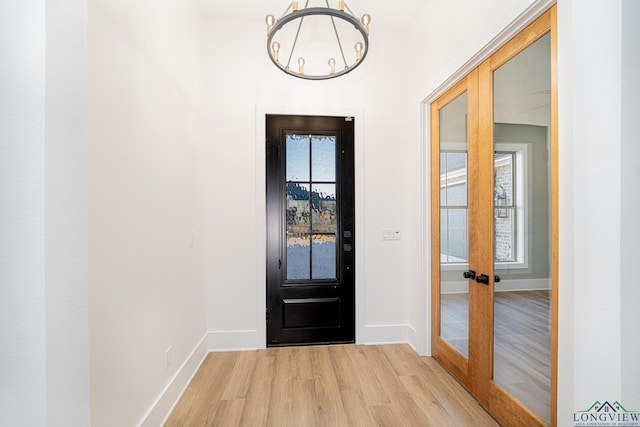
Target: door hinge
x,y
267,315
348,119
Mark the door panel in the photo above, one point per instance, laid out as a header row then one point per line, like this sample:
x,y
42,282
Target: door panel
x,y
521,294
310,235
509,283
452,136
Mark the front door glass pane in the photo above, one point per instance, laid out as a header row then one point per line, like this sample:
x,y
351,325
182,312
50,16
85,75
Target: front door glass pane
x,y
454,245
311,207
522,227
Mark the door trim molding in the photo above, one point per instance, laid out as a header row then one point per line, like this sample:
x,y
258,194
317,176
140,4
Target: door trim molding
x,y
533,12
260,208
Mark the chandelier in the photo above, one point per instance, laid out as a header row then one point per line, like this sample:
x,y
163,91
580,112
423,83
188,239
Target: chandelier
x,y
317,43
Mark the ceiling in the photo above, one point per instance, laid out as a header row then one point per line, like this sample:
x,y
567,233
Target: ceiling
x,y
388,15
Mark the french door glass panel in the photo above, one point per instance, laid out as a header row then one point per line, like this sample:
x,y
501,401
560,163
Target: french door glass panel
x,y
454,243
522,221
311,207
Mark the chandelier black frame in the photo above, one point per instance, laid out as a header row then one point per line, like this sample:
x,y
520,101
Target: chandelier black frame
x,y
341,12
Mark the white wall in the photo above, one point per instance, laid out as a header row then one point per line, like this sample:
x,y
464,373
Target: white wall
x,y
146,130
23,397
598,179
630,204
43,309
66,290
242,86
595,133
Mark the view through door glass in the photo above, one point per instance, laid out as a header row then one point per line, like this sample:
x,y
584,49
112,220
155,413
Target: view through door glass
x,y
310,235
522,227
454,242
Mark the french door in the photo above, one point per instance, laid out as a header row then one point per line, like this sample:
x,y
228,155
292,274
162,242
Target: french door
x,y
494,222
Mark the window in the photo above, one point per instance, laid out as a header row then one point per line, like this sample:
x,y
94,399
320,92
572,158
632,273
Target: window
x,y
453,207
510,207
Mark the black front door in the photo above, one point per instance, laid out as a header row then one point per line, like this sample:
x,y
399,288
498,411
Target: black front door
x,y
310,230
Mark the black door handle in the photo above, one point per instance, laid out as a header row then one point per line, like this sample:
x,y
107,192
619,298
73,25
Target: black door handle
x,y
496,279
483,278
469,274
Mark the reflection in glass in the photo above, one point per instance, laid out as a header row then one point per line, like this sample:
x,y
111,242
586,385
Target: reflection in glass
x,y
311,207
323,158
454,311
522,318
505,242
298,257
324,208
298,208
324,256
297,158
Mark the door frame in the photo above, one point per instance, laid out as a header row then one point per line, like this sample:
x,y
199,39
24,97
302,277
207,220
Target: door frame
x,y
428,324
249,337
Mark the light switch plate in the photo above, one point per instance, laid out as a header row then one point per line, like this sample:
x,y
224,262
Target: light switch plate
x,y
390,234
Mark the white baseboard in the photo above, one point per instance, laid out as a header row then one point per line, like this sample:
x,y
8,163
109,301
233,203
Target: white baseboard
x,y
385,334
164,404
460,286
233,340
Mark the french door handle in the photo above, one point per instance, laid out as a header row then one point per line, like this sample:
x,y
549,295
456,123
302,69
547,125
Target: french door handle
x,y
469,274
483,278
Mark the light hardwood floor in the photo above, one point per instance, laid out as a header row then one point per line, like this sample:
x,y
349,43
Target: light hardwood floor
x,y
522,346
339,385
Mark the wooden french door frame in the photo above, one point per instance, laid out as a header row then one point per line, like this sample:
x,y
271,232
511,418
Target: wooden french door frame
x,y
476,372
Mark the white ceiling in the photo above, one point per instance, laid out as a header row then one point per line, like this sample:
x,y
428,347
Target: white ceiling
x,y
386,14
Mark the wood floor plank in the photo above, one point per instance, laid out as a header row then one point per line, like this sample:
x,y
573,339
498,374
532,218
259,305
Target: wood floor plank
x,y
238,384
330,406
357,412
343,368
342,385
373,391
204,393
258,398
281,406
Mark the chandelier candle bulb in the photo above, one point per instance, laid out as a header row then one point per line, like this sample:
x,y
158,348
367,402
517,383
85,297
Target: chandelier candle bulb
x,y
358,51
366,20
294,5
300,65
332,65
270,20
275,47
341,5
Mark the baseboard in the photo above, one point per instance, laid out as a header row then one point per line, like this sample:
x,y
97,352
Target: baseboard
x,y
524,285
460,286
385,334
233,340
164,404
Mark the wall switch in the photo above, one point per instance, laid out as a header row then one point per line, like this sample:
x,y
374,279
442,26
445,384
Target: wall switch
x,y
390,234
167,357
